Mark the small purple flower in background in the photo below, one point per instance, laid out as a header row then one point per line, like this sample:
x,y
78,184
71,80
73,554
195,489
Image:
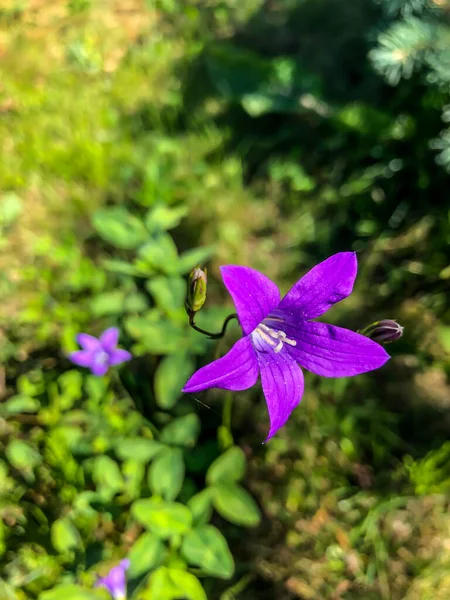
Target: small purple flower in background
x,y
99,354
115,581
281,335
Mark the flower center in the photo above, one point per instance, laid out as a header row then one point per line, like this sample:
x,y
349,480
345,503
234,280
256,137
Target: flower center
x,y
274,337
101,358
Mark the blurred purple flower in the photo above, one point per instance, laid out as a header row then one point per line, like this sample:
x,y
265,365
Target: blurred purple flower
x,y
281,335
99,354
115,581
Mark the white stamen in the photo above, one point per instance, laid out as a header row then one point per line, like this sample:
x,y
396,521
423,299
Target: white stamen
x,y
275,338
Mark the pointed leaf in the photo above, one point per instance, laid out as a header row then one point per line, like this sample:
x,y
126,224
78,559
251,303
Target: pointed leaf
x,y
230,466
166,474
183,431
188,585
170,377
119,227
162,217
236,505
147,551
137,448
207,548
165,519
201,506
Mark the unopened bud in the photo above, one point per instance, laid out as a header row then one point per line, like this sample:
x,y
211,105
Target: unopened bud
x,y
196,292
384,331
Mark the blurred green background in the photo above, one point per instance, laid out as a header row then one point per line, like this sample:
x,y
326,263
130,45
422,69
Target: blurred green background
x,y
139,139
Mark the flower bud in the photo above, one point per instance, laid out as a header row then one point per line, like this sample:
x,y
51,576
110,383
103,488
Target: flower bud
x,y
384,331
196,292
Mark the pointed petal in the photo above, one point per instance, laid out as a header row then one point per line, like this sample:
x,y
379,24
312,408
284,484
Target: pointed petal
x,y
283,384
333,351
237,370
119,356
325,284
88,342
109,338
254,295
82,358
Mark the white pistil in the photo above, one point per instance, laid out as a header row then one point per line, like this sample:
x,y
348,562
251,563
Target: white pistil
x,y
273,337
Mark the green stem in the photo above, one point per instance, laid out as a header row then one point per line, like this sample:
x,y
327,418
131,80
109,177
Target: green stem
x,y
212,336
227,409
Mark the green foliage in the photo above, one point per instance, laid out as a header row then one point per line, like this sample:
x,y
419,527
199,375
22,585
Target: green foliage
x,y
145,141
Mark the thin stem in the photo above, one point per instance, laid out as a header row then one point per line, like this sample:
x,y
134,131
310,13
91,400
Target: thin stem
x,y
212,336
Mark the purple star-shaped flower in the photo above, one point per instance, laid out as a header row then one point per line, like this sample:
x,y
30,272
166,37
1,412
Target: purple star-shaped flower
x,y
115,581
99,354
281,335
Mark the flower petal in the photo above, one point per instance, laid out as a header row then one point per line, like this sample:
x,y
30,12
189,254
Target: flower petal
x,y
282,382
115,580
237,370
88,342
325,284
99,369
109,339
82,358
333,351
119,356
254,295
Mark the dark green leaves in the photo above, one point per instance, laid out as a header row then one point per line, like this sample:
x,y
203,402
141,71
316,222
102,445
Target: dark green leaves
x,y
236,505
206,547
171,375
183,431
146,552
166,474
230,466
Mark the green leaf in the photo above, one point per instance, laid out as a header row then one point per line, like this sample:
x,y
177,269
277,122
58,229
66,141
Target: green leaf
x,y
11,207
107,476
183,431
197,256
201,507
119,266
171,375
108,303
165,519
161,586
166,474
22,455
207,548
168,292
68,592
135,302
20,404
64,535
158,337
230,466
162,217
145,554
236,505
133,474
188,585
160,253
137,448
119,227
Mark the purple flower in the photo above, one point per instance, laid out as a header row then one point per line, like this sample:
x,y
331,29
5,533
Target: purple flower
x,y
281,335
99,354
115,581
